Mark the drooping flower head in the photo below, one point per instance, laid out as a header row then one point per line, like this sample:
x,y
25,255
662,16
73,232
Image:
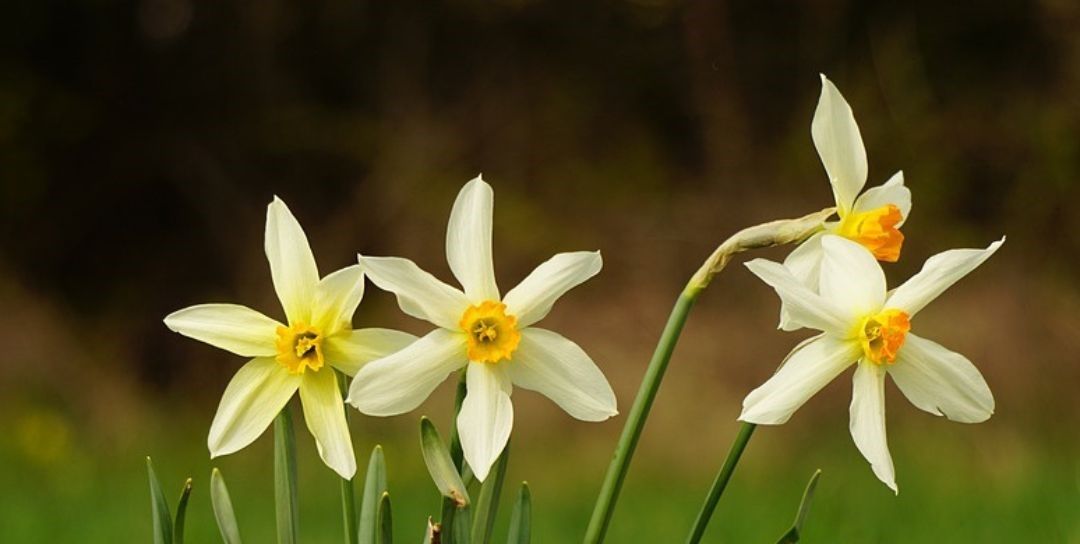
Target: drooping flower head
x,y
862,324
872,219
301,355
491,334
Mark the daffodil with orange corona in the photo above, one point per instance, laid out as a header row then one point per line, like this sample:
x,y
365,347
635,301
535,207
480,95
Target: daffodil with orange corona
x,y
866,326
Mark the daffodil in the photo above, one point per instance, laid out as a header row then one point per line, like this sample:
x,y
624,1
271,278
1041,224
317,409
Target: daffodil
x,y
300,355
864,325
873,219
493,335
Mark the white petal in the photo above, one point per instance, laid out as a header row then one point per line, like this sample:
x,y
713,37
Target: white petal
x,y
324,413
851,277
891,192
348,351
937,275
418,293
805,307
532,299
807,369
230,327
839,144
941,382
400,382
336,298
253,398
468,241
559,369
486,416
805,264
868,420
292,266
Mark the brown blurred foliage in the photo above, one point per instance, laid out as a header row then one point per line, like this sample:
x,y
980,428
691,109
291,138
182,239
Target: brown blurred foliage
x,y
141,140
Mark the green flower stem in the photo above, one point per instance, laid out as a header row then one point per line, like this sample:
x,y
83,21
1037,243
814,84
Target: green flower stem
x,y
285,499
635,421
449,507
348,496
784,231
722,478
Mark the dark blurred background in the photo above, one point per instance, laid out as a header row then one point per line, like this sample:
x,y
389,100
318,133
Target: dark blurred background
x,y
140,142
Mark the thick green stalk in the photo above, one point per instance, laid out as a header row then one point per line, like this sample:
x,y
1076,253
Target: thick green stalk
x,y
285,498
635,420
348,496
722,478
784,231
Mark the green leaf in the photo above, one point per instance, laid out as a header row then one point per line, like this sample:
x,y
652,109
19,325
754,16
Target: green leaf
x,y
285,500
384,531
163,532
181,513
461,531
223,509
374,487
488,503
440,465
521,517
795,532
433,535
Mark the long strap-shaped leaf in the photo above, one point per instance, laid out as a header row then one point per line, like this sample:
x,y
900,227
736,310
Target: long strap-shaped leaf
x,y
795,532
521,517
181,513
159,507
488,504
384,532
455,519
374,488
223,508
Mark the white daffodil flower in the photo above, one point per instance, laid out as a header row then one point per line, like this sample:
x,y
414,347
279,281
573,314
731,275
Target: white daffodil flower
x,y
300,356
862,324
872,219
490,333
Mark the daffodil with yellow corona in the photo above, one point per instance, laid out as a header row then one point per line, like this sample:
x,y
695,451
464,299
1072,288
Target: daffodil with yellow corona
x,y
864,325
301,355
873,219
490,333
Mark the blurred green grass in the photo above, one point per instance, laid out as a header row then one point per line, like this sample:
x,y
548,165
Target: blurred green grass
x,y
958,484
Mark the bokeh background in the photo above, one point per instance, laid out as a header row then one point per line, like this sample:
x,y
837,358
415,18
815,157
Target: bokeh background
x,y
141,140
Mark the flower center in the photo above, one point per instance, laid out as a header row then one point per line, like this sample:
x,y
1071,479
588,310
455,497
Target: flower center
x,y
492,335
299,347
876,229
882,335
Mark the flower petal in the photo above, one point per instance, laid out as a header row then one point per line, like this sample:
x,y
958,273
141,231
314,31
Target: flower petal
x,y
851,277
336,298
941,382
399,382
891,192
532,299
868,420
324,413
418,293
486,416
292,266
807,369
559,369
468,241
231,327
253,398
348,351
937,275
805,264
839,144
805,307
